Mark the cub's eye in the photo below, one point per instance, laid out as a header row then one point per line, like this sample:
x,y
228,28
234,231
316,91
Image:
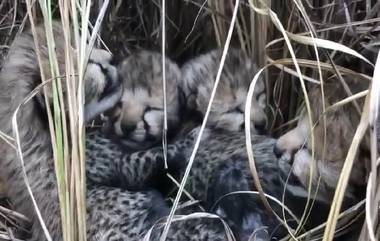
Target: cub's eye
x,y
149,108
126,129
236,110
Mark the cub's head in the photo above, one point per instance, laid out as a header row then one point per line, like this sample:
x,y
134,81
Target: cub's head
x,y
227,110
102,86
330,146
139,116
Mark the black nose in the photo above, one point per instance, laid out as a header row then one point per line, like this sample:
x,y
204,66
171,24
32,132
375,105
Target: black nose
x,y
277,151
127,129
261,127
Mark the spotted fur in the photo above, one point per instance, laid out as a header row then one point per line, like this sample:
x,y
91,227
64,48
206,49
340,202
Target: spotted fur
x,y
221,167
119,214
110,163
213,174
123,203
227,111
125,167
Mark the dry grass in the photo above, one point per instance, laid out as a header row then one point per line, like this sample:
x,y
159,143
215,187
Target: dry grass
x,y
286,37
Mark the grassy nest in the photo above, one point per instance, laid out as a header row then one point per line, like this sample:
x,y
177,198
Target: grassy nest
x,y
196,26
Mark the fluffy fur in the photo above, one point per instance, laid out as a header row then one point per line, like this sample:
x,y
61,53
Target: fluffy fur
x,y
139,118
227,111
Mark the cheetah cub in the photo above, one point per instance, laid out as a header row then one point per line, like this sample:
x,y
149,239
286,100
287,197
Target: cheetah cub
x,y
330,151
221,169
221,179
123,178
227,111
138,120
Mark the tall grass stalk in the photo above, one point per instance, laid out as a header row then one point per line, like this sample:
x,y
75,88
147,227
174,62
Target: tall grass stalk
x,y
373,194
279,26
204,122
346,170
163,52
313,37
66,121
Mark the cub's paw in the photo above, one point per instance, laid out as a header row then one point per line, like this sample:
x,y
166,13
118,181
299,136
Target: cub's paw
x,y
195,132
103,88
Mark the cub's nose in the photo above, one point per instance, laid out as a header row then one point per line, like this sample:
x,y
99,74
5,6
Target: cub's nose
x,y
278,151
127,129
261,127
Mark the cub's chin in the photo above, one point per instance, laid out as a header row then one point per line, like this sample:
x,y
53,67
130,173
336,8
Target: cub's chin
x,y
134,141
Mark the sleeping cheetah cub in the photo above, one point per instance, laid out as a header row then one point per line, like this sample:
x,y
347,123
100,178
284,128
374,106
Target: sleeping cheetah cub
x,y
122,181
221,163
221,167
139,118
341,124
227,112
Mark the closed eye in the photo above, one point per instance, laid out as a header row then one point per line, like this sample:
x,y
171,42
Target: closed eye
x,y
235,110
148,108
